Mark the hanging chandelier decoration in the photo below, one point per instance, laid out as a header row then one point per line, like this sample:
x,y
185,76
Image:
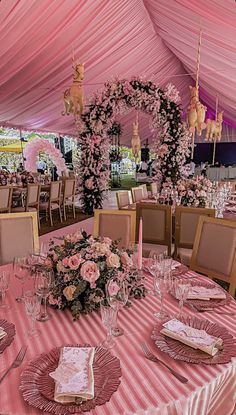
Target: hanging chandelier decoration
x,y
74,96
196,110
135,141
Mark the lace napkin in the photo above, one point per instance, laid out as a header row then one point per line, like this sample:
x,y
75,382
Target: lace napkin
x,y
74,375
203,293
2,333
195,338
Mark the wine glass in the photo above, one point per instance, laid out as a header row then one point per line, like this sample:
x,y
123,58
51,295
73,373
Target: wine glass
x,y
108,314
181,293
160,286
117,296
32,303
153,263
4,285
21,272
43,285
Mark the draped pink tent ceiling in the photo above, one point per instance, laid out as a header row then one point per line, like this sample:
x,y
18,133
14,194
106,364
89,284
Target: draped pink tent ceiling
x,y
113,37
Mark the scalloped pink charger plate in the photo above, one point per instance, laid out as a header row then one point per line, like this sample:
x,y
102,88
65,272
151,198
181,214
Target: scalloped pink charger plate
x,y
9,328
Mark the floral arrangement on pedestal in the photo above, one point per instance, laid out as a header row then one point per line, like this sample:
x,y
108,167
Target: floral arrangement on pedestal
x,y
83,265
194,192
171,142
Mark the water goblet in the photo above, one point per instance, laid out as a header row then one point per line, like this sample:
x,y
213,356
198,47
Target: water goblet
x,y
32,303
21,271
160,286
108,314
153,263
117,296
4,285
43,285
181,293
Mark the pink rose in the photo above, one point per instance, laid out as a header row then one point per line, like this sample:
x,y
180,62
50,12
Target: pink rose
x,y
112,288
65,261
90,272
74,261
126,260
89,183
60,267
113,261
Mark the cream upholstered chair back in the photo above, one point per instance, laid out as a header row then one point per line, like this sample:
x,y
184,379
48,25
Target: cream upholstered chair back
x,y
116,225
5,198
186,220
137,194
69,188
122,199
157,224
154,189
145,191
18,235
55,191
214,250
33,195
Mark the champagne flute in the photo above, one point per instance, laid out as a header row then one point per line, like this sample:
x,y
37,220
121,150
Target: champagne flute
x,y
4,285
32,303
181,293
43,285
108,318
117,296
21,271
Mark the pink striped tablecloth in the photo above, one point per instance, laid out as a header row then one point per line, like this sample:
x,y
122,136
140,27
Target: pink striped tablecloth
x,y
146,388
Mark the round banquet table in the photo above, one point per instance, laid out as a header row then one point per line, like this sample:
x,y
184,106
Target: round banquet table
x,y
146,388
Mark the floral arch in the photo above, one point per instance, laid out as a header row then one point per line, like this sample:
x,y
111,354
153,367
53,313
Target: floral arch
x,y
32,150
171,142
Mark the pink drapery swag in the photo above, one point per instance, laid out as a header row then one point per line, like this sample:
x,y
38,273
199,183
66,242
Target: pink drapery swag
x,y
171,139
148,37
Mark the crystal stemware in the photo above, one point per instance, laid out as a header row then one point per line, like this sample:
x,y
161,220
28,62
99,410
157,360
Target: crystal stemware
x,y
181,293
32,303
4,285
108,314
43,285
117,296
160,285
21,272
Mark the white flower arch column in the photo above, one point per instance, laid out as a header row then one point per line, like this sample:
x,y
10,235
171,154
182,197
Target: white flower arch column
x,y
171,140
34,147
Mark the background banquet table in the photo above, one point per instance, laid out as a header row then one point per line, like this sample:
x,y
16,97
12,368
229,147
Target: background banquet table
x,y
146,387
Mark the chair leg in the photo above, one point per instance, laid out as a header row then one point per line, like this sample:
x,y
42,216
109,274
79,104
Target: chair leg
x,y
50,215
60,214
73,207
64,211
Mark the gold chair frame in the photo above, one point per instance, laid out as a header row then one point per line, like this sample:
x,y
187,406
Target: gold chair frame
x,y
118,200
98,212
231,278
168,223
8,208
178,213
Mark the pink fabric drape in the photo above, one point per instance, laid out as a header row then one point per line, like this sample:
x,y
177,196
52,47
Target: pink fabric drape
x,y
124,38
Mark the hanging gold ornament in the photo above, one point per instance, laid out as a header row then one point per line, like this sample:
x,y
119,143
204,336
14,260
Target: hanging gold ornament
x,y
214,129
135,141
74,96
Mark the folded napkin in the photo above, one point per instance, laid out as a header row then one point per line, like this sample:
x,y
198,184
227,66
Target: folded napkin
x,y
2,333
74,375
195,338
203,293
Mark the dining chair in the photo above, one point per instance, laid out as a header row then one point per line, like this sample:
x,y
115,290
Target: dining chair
x,y
54,201
5,198
137,194
154,189
186,220
122,199
157,227
32,200
118,225
145,191
68,196
214,250
18,235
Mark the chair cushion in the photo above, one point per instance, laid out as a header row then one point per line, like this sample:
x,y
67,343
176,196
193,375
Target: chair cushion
x,y
17,209
185,256
43,206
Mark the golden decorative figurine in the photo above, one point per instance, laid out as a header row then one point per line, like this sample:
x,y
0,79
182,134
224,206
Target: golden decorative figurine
x,y
135,142
214,127
74,96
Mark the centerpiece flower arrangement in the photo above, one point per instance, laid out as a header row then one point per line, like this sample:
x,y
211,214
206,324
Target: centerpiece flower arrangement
x,y
83,265
15,178
194,191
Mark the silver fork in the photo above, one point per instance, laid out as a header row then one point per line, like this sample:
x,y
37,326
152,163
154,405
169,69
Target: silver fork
x,y
150,356
16,362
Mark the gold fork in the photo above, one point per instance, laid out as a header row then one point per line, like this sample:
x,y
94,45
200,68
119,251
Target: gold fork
x,y
148,354
16,362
